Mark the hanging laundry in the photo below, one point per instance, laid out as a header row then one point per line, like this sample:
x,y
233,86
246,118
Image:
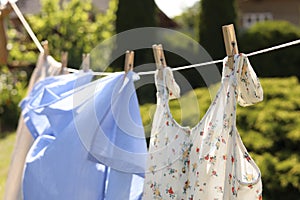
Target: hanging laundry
x,y
68,162
46,92
44,68
208,161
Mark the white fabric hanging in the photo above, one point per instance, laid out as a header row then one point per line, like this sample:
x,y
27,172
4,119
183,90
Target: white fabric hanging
x,y
44,67
208,161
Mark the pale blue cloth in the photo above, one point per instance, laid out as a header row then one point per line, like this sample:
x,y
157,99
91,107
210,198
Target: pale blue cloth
x,y
99,154
46,92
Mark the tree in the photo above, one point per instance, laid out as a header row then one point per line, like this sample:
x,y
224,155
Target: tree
x,y
73,26
214,14
135,14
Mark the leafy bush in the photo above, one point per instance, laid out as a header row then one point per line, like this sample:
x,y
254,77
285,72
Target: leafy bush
x,y
73,26
12,89
22,52
270,130
284,62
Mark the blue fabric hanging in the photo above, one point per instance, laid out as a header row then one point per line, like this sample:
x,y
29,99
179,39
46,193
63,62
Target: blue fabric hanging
x,y
45,93
94,146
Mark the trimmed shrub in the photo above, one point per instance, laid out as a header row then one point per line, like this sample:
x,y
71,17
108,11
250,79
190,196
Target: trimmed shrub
x,y
283,62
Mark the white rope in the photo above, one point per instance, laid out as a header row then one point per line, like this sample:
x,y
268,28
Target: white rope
x,y
274,48
72,70
184,67
203,64
197,65
102,73
27,27
219,61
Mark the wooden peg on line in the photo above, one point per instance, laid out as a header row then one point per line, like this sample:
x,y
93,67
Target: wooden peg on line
x,y
129,61
159,56
64,61
86,62
46,48
154,48
230,43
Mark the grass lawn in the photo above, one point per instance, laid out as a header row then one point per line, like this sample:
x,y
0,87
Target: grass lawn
x,y
6,148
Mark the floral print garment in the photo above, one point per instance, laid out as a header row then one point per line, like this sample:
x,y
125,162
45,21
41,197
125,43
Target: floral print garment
x,y
209,161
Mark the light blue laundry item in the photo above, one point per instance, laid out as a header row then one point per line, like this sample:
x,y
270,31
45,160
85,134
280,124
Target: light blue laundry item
x,y
46,92
95,147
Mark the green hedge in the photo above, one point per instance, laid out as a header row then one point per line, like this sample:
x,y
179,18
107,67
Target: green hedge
x,y
282,63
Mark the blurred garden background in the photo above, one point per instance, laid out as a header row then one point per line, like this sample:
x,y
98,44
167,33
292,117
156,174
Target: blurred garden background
x,y
270,130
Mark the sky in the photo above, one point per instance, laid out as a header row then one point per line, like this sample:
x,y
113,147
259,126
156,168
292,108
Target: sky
x,y
173,8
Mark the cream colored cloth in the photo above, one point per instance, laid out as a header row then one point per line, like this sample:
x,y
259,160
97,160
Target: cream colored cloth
x,y
208,161
45,66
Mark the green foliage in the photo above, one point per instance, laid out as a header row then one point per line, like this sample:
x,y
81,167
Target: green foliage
x,y
73,26
21,51
12,90
270,131
284,62
214,14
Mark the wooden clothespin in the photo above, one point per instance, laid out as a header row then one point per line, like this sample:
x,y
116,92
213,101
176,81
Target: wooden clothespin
x,y
46,48
159,56
86,62
64,61
230,43
129,61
